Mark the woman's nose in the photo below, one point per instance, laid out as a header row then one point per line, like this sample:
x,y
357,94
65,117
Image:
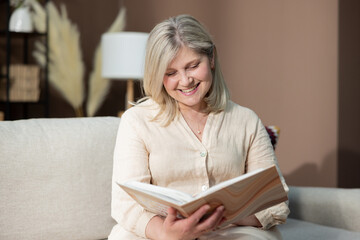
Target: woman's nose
x,y
185,79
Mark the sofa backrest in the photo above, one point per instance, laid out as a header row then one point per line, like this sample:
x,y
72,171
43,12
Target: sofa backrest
x,y
55,178
334,207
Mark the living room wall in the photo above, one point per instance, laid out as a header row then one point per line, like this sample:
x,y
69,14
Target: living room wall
x,y
279,58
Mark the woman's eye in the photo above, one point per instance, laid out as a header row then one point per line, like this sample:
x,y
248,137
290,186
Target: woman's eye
x,y
169,74
195,65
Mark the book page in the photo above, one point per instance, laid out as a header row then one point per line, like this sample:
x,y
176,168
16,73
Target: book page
x,y
229,182
167,194
152,206
241,196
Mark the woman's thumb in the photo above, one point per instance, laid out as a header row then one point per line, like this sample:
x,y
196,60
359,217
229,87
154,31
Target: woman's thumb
x,y
171,214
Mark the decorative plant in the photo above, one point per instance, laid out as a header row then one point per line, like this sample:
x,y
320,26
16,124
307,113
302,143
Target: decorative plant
x,y
66,68
38,16
98,86
18,3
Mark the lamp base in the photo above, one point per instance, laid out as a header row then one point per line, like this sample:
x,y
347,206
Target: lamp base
x,y
129,96
120,113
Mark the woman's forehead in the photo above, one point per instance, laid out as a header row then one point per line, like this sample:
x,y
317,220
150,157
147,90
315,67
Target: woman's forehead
x,y
184,55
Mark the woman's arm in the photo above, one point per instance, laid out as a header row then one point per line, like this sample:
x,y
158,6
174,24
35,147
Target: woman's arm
x,y
261,154
130,163
185,229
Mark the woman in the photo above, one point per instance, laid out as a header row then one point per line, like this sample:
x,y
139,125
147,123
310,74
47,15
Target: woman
x,y
187,135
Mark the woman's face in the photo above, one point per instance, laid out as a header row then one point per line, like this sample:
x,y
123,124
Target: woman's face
x,y
188,79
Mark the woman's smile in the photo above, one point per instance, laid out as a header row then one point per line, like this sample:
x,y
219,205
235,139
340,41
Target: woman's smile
x,y
190,91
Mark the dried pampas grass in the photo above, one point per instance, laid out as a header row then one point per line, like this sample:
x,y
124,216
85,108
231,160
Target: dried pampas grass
x,y
66,68
38,16
98,86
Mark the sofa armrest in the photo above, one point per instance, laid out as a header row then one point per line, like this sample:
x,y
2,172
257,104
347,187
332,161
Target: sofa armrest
x,y
334,207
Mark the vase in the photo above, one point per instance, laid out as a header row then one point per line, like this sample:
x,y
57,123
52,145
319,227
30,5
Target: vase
x,y
20,20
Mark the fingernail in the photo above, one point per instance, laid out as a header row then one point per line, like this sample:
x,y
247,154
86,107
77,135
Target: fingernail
x,y
221,208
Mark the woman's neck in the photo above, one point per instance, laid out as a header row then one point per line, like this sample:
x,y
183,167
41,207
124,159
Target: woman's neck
x,y
199,109
196,119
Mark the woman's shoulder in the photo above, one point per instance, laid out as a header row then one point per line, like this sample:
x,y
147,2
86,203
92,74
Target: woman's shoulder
x,y
235,110
143,111
240,117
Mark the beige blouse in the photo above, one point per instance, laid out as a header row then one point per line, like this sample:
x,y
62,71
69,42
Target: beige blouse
x,y
234,142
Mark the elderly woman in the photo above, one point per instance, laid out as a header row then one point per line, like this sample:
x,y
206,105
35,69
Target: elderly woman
x,y
187,135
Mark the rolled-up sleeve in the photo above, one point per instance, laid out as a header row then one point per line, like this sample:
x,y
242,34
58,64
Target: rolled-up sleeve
x,y
261,154
130,163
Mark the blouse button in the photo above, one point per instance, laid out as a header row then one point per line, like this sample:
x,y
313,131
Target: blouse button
x,y
204,187
202,154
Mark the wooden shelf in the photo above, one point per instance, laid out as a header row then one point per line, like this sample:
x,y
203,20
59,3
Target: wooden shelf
x,y
6,105
22,34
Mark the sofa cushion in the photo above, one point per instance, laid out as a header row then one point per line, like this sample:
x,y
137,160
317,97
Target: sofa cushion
x,y
295,229
55,178
333,207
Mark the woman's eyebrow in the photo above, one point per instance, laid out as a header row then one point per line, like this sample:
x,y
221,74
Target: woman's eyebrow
x,y
195,60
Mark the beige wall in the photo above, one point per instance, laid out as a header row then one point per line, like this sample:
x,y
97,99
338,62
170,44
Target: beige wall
x,y
279,58
285,68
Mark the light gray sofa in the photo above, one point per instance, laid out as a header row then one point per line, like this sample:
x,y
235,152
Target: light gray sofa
x,y
55,184
323,213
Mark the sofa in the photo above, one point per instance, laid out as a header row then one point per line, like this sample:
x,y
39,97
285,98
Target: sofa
x,y
55,183
323,213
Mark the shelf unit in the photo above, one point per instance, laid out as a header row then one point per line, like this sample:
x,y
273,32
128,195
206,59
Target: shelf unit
x,y
8,105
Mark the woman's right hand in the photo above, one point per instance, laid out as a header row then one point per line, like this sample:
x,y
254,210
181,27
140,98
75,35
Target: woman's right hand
x,y
173,228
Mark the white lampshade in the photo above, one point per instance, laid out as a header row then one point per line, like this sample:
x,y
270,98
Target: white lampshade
x,y
123,55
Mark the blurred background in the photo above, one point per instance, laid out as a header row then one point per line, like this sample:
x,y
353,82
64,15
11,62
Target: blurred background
x,y
294,62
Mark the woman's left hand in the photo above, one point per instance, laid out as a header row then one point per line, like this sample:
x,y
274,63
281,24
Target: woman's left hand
x,y
192,227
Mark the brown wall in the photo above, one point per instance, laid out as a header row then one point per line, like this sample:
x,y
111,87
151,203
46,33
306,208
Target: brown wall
x,y
279,58
349,97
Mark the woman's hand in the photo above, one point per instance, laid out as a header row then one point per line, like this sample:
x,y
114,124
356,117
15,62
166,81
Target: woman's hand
x,y
173,228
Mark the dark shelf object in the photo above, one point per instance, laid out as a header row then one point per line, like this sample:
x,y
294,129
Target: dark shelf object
x,y
6,33
27,102
22,34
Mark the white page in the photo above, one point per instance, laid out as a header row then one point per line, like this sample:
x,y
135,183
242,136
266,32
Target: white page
x,y
167,194
227,183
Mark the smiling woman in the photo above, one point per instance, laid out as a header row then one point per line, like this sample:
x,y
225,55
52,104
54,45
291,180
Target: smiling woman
x,y
170,42
187,135
188,79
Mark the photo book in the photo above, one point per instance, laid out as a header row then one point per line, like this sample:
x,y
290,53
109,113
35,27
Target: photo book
x,y
241,196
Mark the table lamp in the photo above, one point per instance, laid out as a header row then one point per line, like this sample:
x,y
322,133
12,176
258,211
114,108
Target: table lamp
x,y
123,58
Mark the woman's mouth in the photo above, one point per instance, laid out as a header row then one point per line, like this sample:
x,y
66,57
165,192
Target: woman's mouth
x,y
189,91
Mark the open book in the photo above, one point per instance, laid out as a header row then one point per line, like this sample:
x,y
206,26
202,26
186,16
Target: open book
x,y
241,196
